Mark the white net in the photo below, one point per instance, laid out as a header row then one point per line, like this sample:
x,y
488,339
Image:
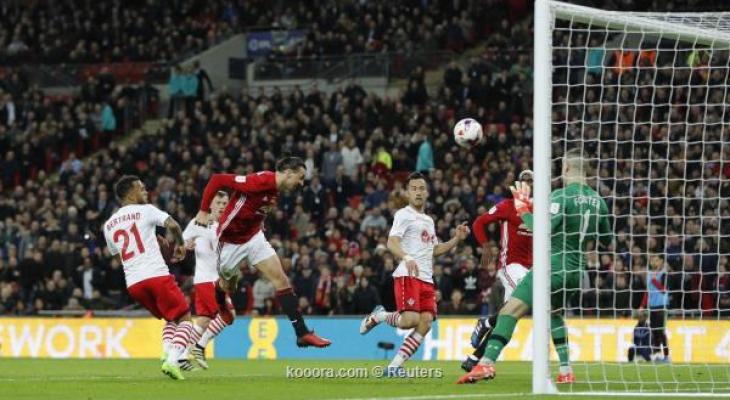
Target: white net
x,y
644,97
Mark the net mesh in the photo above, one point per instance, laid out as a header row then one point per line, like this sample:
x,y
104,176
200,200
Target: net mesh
x,y
648,108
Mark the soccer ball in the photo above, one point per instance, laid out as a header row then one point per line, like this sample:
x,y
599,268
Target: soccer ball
x,y
467,132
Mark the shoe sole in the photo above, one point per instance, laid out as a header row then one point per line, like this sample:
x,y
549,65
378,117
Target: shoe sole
x,y
473,380
302,345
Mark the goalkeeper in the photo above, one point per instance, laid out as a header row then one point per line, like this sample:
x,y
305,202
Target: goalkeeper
x,y
577,215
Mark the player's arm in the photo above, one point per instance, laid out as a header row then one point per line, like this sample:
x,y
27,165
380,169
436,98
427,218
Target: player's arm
x,y
462,231
397,231
395,247
161,218
525,210
191,233
397,250
174,228
249,184
495,214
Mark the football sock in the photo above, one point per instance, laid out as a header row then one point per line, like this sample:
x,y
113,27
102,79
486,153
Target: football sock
x,y
288,302
407,349
560,340
168,332
391,318
180,341
215,327
501,335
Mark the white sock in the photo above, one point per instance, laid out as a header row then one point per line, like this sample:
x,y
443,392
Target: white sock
x,y
486,361
392,318
185,354
407,349
565,369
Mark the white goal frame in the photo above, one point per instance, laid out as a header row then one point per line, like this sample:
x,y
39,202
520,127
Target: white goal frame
x,y
546,13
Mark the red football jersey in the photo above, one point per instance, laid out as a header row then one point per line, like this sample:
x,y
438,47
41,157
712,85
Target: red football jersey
x,y
251,199
515,239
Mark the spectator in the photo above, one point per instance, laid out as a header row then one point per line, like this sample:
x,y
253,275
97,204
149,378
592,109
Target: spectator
x,y
351,157
366,297
332,160
203,79
263,292
424,163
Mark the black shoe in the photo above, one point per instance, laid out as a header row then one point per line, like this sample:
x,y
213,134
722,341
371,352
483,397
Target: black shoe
x,y
187,365
469,364
199,354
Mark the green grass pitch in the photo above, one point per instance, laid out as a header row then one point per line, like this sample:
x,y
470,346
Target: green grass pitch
x,y
242,379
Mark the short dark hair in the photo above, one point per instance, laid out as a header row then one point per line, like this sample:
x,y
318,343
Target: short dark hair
x,y
416,175
124,185
293,163
221,193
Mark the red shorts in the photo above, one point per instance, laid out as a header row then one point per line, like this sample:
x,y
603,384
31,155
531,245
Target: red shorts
x,y
161,296
205,302
413,294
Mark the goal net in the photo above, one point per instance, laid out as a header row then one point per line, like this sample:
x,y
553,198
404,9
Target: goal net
x,y
644,98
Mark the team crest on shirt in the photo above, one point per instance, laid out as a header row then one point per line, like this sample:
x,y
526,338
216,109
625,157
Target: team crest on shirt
x,y
427,237
411,301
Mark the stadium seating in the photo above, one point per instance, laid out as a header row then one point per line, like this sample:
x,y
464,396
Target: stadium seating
x,y
51,249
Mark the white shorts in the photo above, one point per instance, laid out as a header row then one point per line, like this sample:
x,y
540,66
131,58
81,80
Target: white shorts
x,y
511,276
254,251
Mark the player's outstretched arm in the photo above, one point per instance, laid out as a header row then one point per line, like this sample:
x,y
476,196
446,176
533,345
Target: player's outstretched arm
x,y
462,231
248,184
495,214
174,228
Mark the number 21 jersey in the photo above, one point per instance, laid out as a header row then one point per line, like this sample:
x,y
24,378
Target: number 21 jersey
x,y
131,233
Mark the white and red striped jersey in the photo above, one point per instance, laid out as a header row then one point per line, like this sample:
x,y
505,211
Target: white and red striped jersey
x,y
515,240
251,198
418,238
131,233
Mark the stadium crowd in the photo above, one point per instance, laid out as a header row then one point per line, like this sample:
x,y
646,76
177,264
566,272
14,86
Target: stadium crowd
x,y
358,147
60,32
40,133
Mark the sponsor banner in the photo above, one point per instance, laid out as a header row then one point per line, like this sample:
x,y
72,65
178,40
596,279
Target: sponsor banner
x,y
259,44
693,341
81,337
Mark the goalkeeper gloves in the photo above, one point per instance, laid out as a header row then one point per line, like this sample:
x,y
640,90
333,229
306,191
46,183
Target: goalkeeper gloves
x,y
521,195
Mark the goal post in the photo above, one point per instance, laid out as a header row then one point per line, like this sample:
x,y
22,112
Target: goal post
x,y
644,98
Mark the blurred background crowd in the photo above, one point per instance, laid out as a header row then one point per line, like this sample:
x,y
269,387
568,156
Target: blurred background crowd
x,y
61,154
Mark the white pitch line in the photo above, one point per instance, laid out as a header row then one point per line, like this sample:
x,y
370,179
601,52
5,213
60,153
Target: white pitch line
x,y
114,378
442,396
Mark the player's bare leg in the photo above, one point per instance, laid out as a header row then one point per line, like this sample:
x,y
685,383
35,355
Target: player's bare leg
x,y
273,271
512,311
